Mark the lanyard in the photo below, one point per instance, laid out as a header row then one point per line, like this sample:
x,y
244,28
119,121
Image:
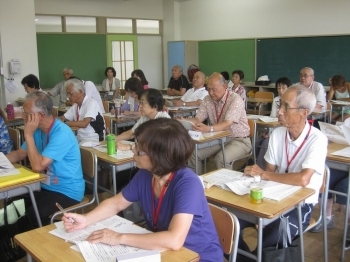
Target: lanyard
x,y
156,211
298,150
222,109
77,113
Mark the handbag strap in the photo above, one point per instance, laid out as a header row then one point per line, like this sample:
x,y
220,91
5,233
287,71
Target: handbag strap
x,y
8,201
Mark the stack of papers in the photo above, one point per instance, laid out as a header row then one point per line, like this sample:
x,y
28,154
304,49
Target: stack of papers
x,y
6,168
121,154
240,184
336,134
101,252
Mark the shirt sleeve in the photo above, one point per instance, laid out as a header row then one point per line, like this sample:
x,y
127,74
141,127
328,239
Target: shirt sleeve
x,y
70,114
274,107
104,84
139,122
235,108
202,113
117,83
56,89
169,85
185,83
92,109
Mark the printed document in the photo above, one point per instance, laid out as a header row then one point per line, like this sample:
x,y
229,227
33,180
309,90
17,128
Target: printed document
x,y
6,168
336,134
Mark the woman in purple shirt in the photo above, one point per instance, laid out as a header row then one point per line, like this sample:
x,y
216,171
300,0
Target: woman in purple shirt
x,y
171,196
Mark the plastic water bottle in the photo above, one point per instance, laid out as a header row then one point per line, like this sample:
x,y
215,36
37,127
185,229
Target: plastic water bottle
x,y
117,109
10,111
110,144
256,191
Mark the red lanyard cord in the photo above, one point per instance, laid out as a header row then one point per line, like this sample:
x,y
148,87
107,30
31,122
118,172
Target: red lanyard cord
x,y
298,150
156,210
222,109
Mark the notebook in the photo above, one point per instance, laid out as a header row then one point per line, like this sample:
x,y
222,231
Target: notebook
x,y
25,175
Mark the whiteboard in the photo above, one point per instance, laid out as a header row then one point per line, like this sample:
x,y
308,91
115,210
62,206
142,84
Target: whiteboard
x,y
150,59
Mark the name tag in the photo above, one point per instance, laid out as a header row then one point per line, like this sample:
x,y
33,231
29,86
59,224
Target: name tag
x,y
110,93
195,135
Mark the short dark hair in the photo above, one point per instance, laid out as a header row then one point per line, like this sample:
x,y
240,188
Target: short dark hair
x,y
133,85
31,80
154,98
167,152
284,81
338,80
112,69
225,75
141,75
238,72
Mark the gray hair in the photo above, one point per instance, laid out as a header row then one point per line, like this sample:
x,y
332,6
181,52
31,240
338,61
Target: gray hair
x,y
308,68
305,98
219,77
42,102
76,83
179,67
69,70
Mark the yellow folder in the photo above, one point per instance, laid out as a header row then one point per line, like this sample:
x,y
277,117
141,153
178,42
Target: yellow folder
x,y
26,175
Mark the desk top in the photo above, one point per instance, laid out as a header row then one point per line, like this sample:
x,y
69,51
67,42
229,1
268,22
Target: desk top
x,y
332,147
340,103
267,209
268,124
44,246
212,136
259,100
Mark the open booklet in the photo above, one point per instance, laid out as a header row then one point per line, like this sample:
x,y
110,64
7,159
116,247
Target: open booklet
x,y
6,168
106,253
240,184
339,134
263,118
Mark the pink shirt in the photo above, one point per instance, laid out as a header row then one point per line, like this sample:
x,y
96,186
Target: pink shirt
x,y
232,108
240,91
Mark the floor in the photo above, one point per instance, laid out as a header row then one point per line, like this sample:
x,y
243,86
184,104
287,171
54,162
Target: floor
x,y
313,242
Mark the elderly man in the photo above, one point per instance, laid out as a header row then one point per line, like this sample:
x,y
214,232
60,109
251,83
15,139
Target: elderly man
x,y
59,88
296,155
178,84
85,113
307,79
195,95
51,148
226,111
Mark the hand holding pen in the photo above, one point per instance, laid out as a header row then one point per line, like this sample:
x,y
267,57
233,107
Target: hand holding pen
x,y
64,212
72,221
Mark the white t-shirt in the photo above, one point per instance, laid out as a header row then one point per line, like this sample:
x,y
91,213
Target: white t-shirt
x,y
311,155
274,109
91,91
146,118
193,94
319,92
89,108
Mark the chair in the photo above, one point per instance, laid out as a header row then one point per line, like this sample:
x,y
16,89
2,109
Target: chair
x,y
106,105
89,164
228,229
15,136
324,190
252,135
259,106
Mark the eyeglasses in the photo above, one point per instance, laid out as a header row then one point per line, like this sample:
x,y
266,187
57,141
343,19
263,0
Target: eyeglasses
x,y
304,75
286,107
70,93
24,112
137,151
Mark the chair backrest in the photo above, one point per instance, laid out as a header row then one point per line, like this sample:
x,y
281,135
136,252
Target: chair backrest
x,y
227,226
122,92
263,94
252,126
105,105
329,114
88,162
15,136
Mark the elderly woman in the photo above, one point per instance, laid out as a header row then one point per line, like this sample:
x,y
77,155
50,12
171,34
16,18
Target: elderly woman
x,y
163,186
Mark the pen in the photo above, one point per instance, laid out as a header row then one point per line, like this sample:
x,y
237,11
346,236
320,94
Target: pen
x,y
63,211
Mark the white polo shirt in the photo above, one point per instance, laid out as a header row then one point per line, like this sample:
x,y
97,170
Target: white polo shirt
x,y
311,155
319,92
193,94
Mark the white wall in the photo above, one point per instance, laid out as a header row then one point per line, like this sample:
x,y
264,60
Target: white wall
x,y
151,9
18,40
231,19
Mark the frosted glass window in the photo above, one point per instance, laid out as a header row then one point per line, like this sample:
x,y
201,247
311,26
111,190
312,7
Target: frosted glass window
x,y
45,23
81,24
123,59
147,26
119,25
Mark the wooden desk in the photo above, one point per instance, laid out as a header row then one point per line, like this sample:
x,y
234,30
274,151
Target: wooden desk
x,y
340,104
318,113
183,112
167,97
261,214
23,188
43,246
113,164
211,139
340,163
119,122
17,121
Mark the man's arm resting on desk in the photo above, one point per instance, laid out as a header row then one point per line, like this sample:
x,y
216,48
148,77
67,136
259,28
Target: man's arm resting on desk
x,y
179,102
199,126
80,124
127,135
37,161
301,178
16,156
174,92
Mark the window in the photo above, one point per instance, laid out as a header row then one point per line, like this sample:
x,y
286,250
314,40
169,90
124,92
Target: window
x,y
119,25
147,26
123,59
45,23
81,24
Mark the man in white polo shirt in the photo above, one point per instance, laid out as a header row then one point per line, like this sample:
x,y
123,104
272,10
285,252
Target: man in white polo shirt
x,y
296,156
85,113
195,95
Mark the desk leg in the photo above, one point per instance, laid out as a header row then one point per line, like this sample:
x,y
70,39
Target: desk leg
x,y
29,258
34,205
196,159
114,179
346,222
301,234
223,151
260,236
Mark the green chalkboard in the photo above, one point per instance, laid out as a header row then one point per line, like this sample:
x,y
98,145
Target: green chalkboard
x,y
327,55
86,54
228,55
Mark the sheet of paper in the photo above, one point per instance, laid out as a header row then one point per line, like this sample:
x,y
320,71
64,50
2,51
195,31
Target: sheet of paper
x,y
339,102
222,176
254,117
6,168
121,154
268,119
171,97
345,152
11,86
333,133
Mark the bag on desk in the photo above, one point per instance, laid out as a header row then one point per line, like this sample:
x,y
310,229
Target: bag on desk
x,y
288,252
9,251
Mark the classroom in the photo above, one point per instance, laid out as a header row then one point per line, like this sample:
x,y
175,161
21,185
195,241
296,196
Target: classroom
x,y
259,37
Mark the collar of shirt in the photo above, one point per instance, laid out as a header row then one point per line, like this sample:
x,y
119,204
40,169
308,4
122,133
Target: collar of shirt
x,y
198,89
223,98
297,142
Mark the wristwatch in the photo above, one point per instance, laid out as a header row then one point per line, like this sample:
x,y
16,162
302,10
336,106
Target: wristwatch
x,y
183,103
211,129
